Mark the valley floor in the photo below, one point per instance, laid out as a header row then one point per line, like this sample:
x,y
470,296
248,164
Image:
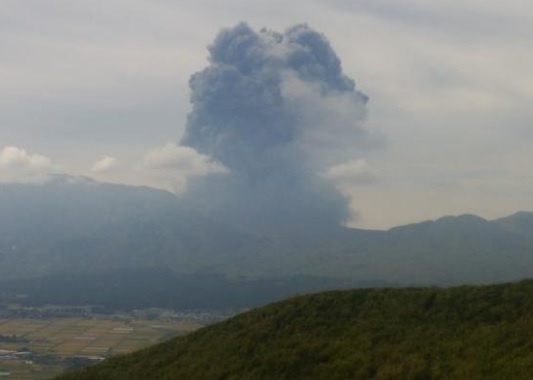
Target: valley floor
x,y
37,349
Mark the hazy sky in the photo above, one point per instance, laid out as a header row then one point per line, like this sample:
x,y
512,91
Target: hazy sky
x,y
100,88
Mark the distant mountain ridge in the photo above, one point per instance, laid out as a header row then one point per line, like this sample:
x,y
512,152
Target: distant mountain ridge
x,y
77,225
71,225
520,222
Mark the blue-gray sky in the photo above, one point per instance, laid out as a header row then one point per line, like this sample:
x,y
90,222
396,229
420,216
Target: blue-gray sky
x,y
100,88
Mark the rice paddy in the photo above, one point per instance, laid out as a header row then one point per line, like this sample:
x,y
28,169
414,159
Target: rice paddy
x,y
52,341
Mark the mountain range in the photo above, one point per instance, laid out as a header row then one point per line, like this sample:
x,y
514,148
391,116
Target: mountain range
x,y
73,226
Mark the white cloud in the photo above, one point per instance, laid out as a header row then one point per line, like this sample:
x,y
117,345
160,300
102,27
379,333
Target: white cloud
x,y
182,159
174,165
351,173
17,165
105,164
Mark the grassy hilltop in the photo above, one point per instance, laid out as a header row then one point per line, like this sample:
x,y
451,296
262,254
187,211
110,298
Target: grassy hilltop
x,y
481,332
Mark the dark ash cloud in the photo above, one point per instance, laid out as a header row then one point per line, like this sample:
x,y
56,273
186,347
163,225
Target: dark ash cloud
x,y
277,111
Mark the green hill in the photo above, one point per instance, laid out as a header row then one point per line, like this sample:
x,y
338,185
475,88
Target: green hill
x,y
483,332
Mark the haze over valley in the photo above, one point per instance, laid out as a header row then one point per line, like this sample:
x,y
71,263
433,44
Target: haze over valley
x,y
102,241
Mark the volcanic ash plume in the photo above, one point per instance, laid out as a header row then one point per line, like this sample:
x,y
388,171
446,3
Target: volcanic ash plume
x,y
277,111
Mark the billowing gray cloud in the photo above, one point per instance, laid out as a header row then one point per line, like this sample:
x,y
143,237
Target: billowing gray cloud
x,y
276,110
449,83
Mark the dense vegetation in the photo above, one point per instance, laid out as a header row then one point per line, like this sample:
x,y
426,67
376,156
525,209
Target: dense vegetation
x,y
481,332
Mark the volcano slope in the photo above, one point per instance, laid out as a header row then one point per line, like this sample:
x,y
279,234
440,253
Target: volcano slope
x,y
474,332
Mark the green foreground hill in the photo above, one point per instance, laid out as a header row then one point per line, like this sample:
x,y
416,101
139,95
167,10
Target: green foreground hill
x,y
482,332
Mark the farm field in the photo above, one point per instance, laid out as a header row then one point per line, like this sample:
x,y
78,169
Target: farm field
x,y
37,349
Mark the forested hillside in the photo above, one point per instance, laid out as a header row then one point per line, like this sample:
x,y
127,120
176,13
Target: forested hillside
x,y
483,332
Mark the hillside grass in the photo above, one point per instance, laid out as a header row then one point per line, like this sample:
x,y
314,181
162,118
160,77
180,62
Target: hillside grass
x,y
482,332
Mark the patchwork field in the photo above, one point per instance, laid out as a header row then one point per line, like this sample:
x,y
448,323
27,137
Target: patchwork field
x,y
37,349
